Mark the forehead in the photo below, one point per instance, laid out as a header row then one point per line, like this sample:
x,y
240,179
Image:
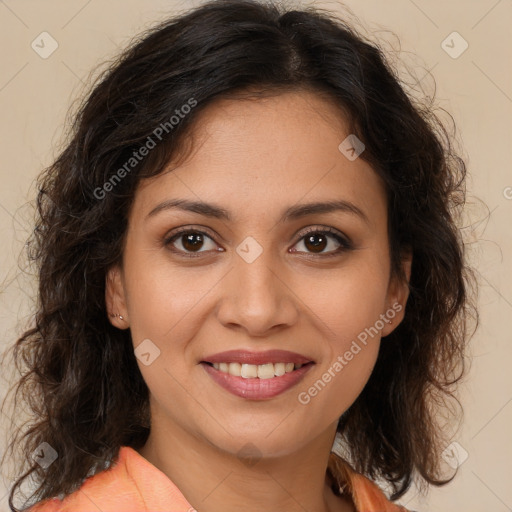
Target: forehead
x,y
254,155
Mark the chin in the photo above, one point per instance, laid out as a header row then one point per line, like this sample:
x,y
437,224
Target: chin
x,y
256,445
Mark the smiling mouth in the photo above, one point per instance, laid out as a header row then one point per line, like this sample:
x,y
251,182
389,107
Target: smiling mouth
x,y
257,371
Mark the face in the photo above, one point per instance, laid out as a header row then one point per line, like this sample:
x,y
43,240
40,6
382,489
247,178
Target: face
x,y
259,273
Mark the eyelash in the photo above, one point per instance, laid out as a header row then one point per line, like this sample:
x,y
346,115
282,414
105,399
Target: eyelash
x,y
345,244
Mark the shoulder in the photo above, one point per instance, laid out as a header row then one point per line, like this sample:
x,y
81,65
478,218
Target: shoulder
x,y
110,489
132,484
368,496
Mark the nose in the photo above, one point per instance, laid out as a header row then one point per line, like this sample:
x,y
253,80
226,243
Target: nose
x,y
256,297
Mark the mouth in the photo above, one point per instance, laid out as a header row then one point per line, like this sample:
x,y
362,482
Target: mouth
x,y
260,371
257,375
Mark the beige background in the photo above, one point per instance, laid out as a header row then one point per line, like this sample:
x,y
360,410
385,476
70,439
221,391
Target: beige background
x,y
476,88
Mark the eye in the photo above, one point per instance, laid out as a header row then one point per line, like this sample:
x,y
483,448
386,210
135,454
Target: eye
x,y
188,241
191,242
316,240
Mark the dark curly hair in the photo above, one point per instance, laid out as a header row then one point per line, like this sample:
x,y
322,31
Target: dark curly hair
x,y
73,362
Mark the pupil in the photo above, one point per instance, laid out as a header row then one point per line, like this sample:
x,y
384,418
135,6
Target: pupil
x,y
193,241
318,245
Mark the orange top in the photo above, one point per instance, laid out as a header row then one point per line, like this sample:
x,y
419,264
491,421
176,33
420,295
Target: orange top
x,y
133,484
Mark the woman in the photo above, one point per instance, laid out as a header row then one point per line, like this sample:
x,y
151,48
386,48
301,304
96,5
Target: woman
x,y
247,251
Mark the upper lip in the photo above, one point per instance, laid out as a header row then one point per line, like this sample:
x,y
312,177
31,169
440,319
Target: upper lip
x,y
249,357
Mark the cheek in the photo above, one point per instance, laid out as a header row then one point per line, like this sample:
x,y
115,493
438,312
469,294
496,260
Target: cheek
x,y
350,348
162,298
163,308
163,317
348,301
339,384
348,306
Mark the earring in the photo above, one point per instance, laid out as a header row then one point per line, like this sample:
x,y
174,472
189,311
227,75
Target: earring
x,y
116,314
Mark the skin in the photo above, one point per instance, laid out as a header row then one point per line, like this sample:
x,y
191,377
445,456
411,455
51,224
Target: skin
x,y
256,158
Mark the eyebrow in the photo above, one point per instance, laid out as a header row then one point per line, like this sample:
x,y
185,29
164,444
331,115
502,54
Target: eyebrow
x,y
291,213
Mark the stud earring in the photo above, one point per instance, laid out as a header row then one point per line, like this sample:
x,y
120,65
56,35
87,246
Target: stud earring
x,y
116,314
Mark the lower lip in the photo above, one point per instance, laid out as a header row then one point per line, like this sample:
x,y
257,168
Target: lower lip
x,y
255,388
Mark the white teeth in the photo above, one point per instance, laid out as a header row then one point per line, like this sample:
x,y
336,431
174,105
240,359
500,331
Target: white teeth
x,y
249,371
234,369
266,371
261,371
279,369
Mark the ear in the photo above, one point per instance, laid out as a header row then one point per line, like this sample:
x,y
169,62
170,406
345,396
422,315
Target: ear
x,y
115,298
397,295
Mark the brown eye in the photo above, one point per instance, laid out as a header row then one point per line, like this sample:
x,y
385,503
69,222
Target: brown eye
x,y
316,242
189,242
192,241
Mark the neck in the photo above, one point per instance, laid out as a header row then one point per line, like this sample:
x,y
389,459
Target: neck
x,y
213,480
